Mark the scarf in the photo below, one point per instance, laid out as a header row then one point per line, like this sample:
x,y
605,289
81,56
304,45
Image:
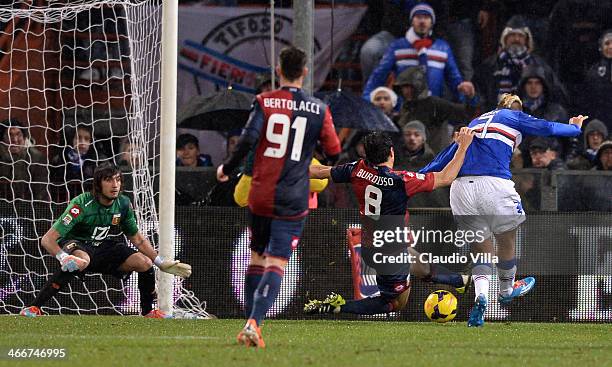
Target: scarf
x,y
510,67
421,44
532,104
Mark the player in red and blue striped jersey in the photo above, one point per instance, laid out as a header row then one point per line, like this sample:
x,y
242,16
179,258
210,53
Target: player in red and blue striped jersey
x,y
383,195
284,127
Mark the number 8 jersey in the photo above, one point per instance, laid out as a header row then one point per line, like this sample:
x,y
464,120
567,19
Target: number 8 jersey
x,y
381,190
286,123
85,219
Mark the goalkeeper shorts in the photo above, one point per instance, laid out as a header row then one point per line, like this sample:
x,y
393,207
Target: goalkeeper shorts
x,y
275,237
105,258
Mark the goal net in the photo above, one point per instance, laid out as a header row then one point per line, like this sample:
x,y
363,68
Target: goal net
x,y
79,86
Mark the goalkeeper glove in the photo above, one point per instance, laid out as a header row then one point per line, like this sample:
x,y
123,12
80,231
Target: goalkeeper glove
x,y
69,263
173,267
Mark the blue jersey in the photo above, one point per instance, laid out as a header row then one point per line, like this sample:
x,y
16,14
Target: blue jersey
x,y
499,133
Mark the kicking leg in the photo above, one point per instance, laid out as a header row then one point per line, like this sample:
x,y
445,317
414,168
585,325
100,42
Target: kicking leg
x,y
506,269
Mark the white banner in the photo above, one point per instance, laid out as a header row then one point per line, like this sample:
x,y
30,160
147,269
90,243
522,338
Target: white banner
x,y
219,45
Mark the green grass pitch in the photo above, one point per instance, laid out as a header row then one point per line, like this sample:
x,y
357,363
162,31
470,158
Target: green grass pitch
x,y
133,341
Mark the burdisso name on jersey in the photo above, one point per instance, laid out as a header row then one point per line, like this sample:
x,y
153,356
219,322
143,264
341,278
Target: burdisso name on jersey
x,y
375,179
289,104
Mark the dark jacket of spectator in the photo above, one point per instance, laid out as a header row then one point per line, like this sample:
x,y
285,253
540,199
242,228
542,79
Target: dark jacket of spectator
x,y
603,160
502,73
575,26
70,165
541,106
587,155
21,164
599,84
432,111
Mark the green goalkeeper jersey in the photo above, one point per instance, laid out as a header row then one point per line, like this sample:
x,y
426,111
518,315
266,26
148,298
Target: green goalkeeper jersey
x,y
85,219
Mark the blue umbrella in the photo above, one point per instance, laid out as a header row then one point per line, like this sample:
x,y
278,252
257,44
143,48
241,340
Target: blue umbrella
x,y
349,110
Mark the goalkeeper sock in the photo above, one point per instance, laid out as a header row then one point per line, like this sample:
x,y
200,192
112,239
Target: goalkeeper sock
x,y
146,286
481,276
367,306
253,276
57,281
442,275
266,292
506,270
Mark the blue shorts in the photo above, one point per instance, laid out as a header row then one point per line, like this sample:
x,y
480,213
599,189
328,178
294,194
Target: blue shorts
x,y
275,237
391,286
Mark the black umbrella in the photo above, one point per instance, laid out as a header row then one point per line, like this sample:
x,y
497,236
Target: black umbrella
x,y
222,111
349,110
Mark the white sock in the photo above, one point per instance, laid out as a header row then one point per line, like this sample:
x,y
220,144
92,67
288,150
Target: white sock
x,y
481,276
506,280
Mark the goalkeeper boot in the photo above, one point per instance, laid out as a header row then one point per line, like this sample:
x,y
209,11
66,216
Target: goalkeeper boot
x,y
158,314
467,282
250,335
519,289
31,311
331,304
476,318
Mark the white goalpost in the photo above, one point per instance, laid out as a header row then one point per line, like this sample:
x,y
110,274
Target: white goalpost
x,y
70,68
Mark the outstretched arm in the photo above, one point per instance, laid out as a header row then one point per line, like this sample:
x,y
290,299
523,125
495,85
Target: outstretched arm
x,y
174,267
445,177
320,172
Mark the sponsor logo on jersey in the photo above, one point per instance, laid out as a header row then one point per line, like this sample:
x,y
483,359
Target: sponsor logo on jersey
x,y
420,176
67,219
116,219
75,211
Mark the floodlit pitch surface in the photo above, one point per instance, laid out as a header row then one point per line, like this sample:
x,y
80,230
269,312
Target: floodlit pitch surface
x,y
133,341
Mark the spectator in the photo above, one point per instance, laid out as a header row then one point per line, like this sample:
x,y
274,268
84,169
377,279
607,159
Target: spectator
x,y
21,163
232,139
386,100
544,154
129,155
78,160
575,26
188,152
418,47
594,135
414,153
393,15
535,91
432,111
603,161
599,82
501,73
465,17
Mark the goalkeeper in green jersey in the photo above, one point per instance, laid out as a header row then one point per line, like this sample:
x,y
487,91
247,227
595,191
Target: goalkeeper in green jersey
x,y
79,240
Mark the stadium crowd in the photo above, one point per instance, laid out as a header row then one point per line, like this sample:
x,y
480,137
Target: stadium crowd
x,y
431,67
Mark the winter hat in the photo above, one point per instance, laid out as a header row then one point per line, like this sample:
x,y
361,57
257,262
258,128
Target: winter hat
x,y
424,9
517,24
390,92
416,125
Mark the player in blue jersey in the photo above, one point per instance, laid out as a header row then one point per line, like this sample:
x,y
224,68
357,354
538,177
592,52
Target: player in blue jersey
x,y
284,127
483,197
383,196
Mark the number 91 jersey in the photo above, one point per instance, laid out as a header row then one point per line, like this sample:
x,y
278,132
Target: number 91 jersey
x,y
381,190
286,123
85,219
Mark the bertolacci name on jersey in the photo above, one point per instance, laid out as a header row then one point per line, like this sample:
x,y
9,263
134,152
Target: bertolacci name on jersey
x,y
292,105
375,179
